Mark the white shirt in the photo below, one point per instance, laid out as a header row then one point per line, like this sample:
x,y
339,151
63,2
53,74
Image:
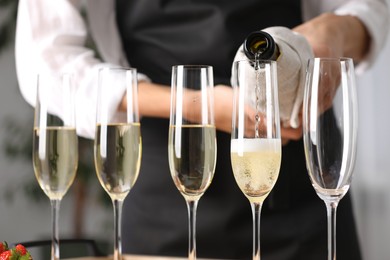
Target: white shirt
x,y
51,36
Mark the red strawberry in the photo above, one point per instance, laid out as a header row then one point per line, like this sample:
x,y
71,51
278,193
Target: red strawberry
x,y
19,252
21,249
6,255
3,247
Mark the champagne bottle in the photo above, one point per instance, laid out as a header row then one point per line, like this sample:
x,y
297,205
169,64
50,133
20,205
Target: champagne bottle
x,y
260,45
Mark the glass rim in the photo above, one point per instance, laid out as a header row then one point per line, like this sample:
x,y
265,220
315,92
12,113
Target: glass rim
x,y
332,59
192,66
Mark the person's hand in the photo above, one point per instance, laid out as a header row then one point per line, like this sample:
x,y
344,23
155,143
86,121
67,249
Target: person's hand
x,y
333,35
337,36
324,38
223,108
290,134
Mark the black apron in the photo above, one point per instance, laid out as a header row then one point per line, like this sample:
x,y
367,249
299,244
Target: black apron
x,y
159,34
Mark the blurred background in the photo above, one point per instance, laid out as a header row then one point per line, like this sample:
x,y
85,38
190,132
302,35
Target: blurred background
x,y
86,210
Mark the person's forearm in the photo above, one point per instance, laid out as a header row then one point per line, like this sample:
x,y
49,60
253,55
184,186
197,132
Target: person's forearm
x,y
153,100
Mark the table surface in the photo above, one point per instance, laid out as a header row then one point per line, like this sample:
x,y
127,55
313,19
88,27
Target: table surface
x,y
133,257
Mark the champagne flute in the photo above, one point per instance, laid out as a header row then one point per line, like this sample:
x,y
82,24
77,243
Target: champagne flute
x,y
55,145
330,131
192,141
117,146
255,139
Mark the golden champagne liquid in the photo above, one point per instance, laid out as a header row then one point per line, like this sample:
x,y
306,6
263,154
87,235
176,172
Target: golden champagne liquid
x,y
55,159
256,164
118,150
192,158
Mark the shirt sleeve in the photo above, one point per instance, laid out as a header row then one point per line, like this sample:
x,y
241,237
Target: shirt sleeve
x,y
373,13
51,37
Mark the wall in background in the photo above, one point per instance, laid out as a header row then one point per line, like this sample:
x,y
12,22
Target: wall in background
x,y
372,171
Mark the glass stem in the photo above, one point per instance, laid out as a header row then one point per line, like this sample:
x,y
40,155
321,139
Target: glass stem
x,y
331,208
256,213
55,242
117,204
192,206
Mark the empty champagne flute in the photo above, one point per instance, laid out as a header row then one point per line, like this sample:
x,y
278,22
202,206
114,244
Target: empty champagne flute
x,y
330,131
55,145
192,137
255,139
117,146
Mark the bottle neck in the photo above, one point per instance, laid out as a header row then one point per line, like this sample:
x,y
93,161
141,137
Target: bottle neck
x,y
260,45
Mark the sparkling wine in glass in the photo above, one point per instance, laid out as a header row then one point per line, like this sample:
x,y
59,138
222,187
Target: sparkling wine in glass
x,y
330,131
192,137
55,145
255,139
117,146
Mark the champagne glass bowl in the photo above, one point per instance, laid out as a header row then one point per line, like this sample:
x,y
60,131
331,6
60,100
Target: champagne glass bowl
x,y
192,137
118,145
330,131
255,139
55,144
